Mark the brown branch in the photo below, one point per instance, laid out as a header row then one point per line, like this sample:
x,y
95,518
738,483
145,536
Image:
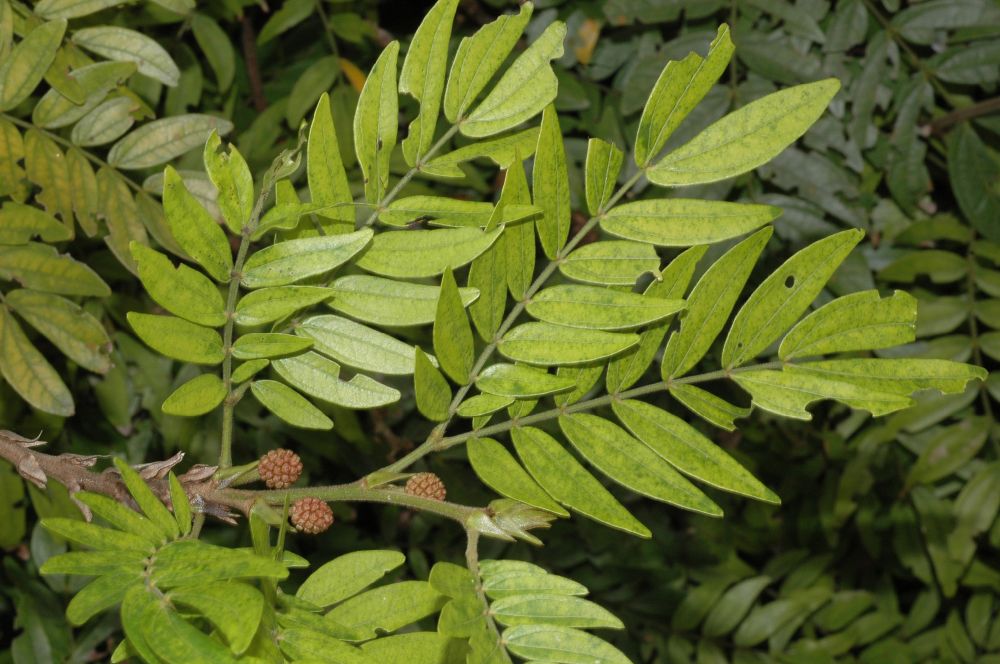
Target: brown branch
x,y
249,39
942,124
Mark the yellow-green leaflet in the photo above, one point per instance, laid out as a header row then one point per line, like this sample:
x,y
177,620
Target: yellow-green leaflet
x,y
520,382
325,169
376,123
859,321
357,345
679,222
483,404
54,110
266,305
681,86
41,267
182,291
218,50
76,333
597,308
498,469
317,376
347,575
479,57
122,44
746,138
387,608
423,75
289,405
177,338
781,298
488,277
556,643
709,305
562,476
159,141
610,262
23,69
441,210
548,344
707,406
105,123
562,610
518,240
194,229
604,162
431,390
258,345
29,373
20,223
248,370
196,397
524,89
388,302
231,176
293,260
452,334
550,184
424,253
502,151
688,450
51,9
632,464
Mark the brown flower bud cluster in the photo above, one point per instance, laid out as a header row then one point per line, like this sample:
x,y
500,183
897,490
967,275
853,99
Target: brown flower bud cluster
x,y
280,468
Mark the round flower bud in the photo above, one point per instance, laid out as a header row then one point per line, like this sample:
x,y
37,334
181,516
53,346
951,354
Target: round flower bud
x,y
426,485
311,515
280,468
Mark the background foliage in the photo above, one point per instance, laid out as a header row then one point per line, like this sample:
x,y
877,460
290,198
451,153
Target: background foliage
x,y
876,524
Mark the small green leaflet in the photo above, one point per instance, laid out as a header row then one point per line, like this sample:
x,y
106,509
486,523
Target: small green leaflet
x,y
498,469
20,223
679,222
72,330
178,338
610,262
27,371
159,141
517,244
40,267
194,229
604,162
524,89
782,297
709,305
585,376
289,405
347,575
548,344
116,43
550,185
746,138
707,406
196,397
267,305
479,57
520,382
357,345
452,334
488,276
632,464
54,110
423,75
902,376
389,302
420,253
23,69
431,390
440,210
231,176
562,476
214,43
512,578
560,644
105,123
859,321
248,370
502,151
681,85
293,260
51,9
376,123
688,450
562,610
182,291
319,377
596,308
483,404
325,168
259,345
387,608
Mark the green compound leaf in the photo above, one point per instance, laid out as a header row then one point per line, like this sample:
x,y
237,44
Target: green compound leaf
x,y
547,344
709,305
520,382
479,57
859,321
453,342
524,89
707,406
230,174
122,44
596,308
388,302
689,451
560,644
431,390
20,223
681,85
567,481
23,69
27,371
423,75
161,140
746,138
498,469
563,610
72,330
293,260
183,291
325,168
679,222
319,377
194,229
198,396
781,298
178,338
387,608
267,305
40,267
610,262
603,164
258,345
289,405
347,575
632,464
421,253
357,345
376,123
550,185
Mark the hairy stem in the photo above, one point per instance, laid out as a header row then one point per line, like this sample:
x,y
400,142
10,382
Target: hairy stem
x,y
472,562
